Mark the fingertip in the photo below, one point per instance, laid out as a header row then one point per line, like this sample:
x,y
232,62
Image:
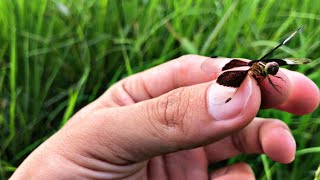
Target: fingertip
x,y
304,96
284,150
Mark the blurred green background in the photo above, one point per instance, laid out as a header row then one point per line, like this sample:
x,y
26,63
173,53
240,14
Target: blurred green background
x,y
58,55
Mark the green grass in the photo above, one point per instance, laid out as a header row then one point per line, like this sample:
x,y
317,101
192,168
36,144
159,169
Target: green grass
x,y
58,55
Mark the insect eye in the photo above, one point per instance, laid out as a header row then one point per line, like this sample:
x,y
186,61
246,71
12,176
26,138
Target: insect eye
x,y
272,68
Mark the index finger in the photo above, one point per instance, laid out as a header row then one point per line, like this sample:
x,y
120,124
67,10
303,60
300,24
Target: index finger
x,y
186,71
183,71
304,95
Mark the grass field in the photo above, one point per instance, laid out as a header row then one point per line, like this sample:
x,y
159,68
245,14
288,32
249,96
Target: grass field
x,y
58,55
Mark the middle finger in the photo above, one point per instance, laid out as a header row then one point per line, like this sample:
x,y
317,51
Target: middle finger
x,y
271,137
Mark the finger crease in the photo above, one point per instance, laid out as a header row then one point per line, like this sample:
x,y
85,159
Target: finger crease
x,y
166,168
146,90
260,148
127,93
237,143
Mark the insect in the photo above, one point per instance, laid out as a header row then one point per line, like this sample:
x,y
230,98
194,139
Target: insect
x,y
258,69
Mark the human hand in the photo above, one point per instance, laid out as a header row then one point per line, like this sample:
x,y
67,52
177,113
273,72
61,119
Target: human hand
x,y
160,124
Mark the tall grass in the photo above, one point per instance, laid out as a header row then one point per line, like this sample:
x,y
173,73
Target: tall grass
x,y
58,55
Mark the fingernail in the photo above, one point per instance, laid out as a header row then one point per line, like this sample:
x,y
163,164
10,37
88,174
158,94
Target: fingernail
x,y
221,107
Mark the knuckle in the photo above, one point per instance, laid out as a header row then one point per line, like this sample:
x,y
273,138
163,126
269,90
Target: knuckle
x,y
185,63
275,123
188,57
173,108
237,140
118,95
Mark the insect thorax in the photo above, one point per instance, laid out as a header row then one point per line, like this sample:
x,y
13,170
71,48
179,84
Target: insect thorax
x,y
257,70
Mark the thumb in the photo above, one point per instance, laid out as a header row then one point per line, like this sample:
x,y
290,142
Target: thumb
x,y
184,118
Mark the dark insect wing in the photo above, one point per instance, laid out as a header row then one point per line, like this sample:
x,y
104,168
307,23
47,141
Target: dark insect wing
x,y
234,63
227,85
282,43
228,82
232,78
287,61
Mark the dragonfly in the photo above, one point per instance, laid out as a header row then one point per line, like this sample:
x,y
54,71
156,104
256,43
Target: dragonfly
x,y
259,69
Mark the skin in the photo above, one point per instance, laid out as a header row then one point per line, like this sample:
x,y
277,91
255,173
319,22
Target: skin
x,y
163,124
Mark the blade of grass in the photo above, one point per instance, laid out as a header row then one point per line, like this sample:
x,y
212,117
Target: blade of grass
x,y
308,151
317,174
74,96
13,71
266,167
218,27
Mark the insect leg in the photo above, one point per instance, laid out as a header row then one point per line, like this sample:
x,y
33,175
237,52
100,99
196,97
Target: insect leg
x,y
274,85
280,78
259,79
